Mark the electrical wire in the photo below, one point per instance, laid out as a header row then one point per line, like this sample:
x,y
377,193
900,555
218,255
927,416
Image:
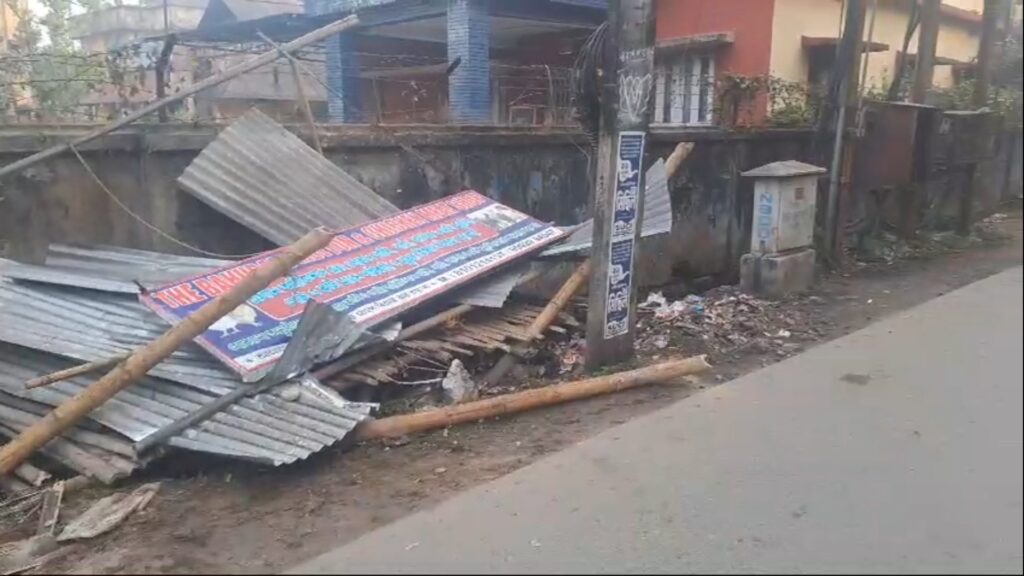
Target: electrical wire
x,y
146,223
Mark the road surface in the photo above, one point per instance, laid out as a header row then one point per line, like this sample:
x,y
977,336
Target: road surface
x,y
896,448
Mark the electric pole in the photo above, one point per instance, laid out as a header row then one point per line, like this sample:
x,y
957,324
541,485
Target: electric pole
x,y
989,26
627,80
927,40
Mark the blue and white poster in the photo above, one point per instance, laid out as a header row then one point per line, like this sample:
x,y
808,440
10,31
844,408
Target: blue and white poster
x,y
371,273
625,219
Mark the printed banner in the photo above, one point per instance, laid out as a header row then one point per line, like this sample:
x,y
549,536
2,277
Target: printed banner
x,y
371,272
625,219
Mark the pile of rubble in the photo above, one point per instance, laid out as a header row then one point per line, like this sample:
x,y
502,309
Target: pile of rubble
x,y
721,322
397,300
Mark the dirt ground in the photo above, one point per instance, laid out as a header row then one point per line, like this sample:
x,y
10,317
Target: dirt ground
x,y
225,517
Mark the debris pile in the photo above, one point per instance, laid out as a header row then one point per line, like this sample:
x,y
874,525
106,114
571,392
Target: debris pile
x,y
389,307
720,322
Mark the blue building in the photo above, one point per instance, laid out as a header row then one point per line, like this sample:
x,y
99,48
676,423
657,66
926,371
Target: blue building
x,y
459,61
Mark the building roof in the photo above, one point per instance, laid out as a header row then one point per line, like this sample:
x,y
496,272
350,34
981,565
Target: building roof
x,y
220,12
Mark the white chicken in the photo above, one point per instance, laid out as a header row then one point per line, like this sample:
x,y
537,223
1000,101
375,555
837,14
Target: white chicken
x,y
243,315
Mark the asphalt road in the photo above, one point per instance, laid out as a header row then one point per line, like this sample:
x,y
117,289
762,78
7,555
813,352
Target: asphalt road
x,y
896,448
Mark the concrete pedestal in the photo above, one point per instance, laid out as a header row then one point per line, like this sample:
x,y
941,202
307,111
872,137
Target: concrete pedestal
x,y
777,275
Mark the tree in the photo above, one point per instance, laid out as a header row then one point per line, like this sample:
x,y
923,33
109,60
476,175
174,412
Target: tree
x,y
54,76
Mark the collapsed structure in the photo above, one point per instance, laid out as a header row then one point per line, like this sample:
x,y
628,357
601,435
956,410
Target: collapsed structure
x,y
463,256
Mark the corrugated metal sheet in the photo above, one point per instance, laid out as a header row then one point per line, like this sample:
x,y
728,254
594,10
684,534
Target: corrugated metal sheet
x,y
51,324
85,448
492,292
266,428
261,175
109,268
90,325
657,217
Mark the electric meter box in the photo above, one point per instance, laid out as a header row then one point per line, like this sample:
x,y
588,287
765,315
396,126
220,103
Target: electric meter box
x,y
785,196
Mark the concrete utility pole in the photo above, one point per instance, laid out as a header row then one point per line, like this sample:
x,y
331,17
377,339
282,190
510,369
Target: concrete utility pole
x,y
851,45
627,81
927,40
989,28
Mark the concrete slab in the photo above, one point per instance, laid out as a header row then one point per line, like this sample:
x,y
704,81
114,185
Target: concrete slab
x,y
777,275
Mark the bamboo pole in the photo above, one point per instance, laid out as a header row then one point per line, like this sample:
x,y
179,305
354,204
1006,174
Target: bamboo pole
x,y
541,323
233,72
68,373
143,359
300,92
396,426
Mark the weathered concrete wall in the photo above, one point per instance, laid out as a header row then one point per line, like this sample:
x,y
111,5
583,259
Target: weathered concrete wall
x,y
543,173
711,202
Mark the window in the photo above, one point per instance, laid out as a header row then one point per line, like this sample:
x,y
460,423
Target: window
x,y
684,90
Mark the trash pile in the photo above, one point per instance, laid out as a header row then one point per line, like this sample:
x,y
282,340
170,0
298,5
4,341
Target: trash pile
x,y
720,322
392,303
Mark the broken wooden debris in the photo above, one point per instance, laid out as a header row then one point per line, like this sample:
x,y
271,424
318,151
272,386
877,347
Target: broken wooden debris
x,y
405,424
542,322
49,512
142,360
107,513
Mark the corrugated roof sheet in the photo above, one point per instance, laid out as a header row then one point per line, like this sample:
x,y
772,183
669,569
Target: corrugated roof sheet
x,y
261,175
657,216
85,448
266,427
90,325
109,268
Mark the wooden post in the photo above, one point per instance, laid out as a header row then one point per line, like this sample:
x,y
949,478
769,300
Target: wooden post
x,y
249,65
927,40
300,93
405,424
626,94
144,359
989,28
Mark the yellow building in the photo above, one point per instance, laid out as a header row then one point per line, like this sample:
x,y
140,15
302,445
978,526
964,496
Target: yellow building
x,y
798,24
700,41
9,18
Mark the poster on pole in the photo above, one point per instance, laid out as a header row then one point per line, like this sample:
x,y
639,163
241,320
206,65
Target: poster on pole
x,y
625,218
371,272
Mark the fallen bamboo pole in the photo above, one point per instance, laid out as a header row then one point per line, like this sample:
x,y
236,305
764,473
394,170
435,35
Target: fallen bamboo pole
x,y
541,323
233,72
145,358
69,373
396,426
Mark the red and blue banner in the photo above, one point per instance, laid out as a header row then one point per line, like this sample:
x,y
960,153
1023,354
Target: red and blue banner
x,y
371,273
